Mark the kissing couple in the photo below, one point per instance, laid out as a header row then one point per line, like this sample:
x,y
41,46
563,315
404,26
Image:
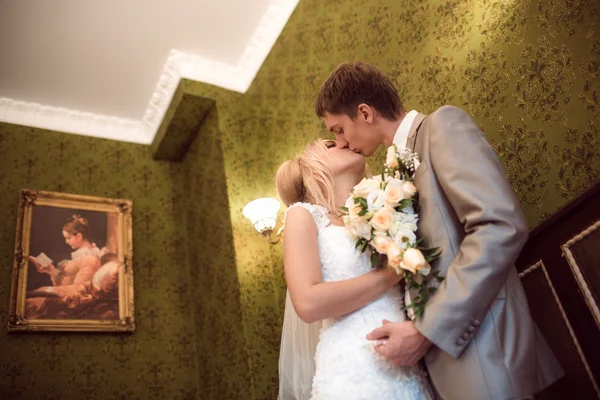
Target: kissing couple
x,y
346,333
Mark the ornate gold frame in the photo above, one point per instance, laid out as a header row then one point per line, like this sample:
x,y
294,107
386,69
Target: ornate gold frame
x,y
27,200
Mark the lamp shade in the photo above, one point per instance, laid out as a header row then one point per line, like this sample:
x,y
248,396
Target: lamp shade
x,y
262,213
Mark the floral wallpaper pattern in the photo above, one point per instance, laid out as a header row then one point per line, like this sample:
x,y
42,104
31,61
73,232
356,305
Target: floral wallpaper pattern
x,y
103,366
209,289
532,86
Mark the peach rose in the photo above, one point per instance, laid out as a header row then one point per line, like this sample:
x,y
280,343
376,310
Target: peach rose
x,y
413,260
394,192
365,187
409,189
381,242
394,255
382,219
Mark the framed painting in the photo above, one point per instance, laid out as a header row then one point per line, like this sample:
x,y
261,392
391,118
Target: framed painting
x,y
72,268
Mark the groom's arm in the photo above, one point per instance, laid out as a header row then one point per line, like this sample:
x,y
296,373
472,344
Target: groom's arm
x,y
474,182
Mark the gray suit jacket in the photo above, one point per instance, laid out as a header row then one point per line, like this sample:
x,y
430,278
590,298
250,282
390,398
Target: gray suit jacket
x,y
485,344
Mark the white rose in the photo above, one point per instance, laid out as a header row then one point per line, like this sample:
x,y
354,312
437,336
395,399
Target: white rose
x,y
408,210
395,227
407,219
376,200
381,242
360,228
396,182
382,219
394,192
378,179
365,187
394,255
391,159
413,260
409,189
404,235
346,220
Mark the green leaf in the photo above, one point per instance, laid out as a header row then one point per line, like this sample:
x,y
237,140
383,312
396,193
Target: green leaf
x,y
363,212
405,203
432,290
345,209
374,260
364,247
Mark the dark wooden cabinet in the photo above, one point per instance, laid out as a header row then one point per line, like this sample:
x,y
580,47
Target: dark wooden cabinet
x,y
560,270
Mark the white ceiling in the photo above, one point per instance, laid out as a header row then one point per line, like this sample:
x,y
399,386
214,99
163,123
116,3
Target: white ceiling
x,y
109,68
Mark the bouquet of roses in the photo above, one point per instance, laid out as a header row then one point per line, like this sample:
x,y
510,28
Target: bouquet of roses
x,y
381,215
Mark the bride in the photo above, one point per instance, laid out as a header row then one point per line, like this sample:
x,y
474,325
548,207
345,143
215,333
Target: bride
x,y
333,291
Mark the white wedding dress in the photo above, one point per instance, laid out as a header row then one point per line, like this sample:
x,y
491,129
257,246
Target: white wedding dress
x,y
347,365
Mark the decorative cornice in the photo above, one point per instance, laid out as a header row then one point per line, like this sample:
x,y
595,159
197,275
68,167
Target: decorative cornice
x,y
71,121
179,65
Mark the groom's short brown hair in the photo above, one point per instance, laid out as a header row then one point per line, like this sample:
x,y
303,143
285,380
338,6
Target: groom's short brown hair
x,y
351,84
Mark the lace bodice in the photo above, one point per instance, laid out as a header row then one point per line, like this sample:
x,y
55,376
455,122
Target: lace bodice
x,y
337,253
347,366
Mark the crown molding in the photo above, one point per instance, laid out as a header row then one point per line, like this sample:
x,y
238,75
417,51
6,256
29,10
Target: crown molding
x,y
179,65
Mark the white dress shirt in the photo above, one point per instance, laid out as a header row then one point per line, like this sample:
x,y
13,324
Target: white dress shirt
x,y
401,135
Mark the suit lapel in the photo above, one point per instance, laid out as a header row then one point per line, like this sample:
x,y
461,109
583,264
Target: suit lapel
x,y
414,129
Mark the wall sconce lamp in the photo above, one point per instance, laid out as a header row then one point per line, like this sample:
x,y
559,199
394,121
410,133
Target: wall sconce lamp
x,y
263,215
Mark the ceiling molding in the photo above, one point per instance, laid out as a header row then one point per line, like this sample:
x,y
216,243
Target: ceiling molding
x,y
179,65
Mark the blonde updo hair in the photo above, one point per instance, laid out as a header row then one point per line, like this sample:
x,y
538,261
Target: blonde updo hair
x,y
308,178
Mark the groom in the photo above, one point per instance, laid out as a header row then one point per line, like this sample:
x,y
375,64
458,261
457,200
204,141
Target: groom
x,y
476,335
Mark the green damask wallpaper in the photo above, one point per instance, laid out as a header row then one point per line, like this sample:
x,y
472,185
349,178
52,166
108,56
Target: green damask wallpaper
x,y
209,289
157,361
221,351
186,288
528,72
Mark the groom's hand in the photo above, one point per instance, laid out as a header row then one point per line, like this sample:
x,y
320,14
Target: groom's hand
x,y
400,342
